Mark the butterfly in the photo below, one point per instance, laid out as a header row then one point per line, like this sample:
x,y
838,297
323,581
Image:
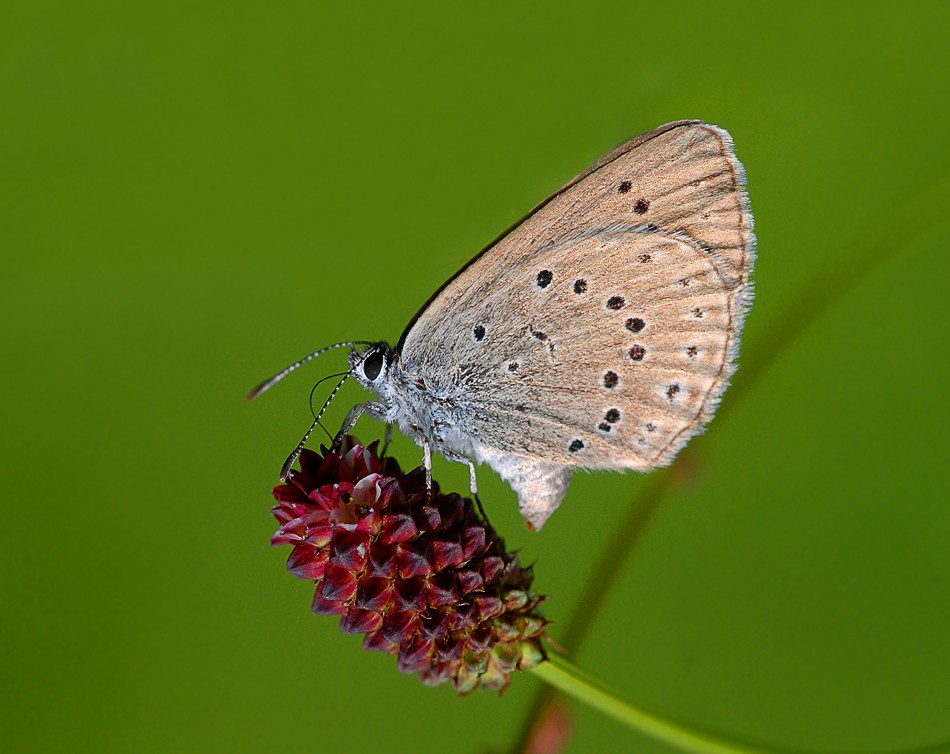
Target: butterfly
x,y
599,332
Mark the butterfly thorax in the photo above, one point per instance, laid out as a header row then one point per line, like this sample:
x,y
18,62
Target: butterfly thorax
x,y
425,407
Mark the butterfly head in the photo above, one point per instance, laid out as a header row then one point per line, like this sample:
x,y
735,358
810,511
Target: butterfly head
x,y
370,367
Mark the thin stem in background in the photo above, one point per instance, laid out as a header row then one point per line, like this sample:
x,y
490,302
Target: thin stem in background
x,y
914,218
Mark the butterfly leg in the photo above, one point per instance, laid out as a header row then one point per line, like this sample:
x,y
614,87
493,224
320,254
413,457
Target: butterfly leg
x,y
427,463
473,487
387,438
353,416
451,455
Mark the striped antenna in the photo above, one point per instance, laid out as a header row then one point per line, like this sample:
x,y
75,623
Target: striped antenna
x,y
269,383
285,470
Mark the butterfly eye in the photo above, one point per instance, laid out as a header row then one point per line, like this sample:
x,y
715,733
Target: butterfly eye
x,y
373,365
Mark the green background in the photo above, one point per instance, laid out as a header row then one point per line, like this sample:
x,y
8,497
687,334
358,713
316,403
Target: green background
x,y
194,195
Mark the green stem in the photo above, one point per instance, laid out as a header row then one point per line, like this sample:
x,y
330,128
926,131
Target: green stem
x,y
571,680
574,682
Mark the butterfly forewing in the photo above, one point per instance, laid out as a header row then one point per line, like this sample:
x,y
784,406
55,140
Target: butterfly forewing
x,y
601,331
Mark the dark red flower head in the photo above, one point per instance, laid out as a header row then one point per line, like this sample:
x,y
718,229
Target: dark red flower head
x,y
425,579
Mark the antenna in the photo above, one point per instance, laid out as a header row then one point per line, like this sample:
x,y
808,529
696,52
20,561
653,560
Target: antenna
x,y
269,383
285,470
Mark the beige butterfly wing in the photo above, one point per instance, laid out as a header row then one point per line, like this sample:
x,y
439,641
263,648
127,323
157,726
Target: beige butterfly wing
x,y
602,330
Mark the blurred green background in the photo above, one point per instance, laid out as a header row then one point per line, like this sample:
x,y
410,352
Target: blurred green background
x,y
194,195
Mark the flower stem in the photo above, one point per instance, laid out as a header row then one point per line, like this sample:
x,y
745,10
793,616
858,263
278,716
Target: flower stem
x,y
571,680
574,682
